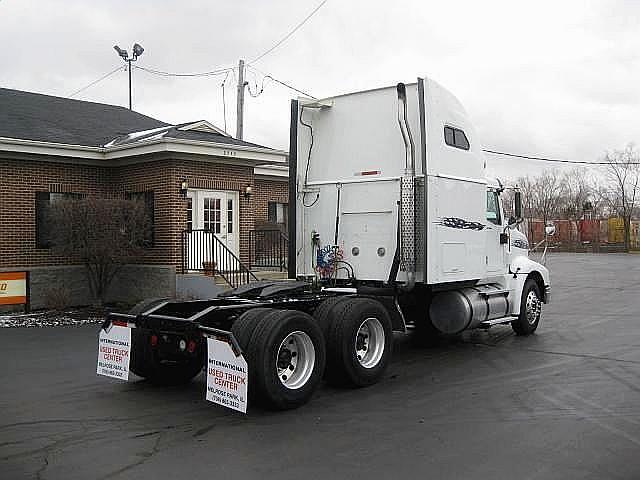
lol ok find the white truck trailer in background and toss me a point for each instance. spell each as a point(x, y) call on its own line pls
point(393, 225)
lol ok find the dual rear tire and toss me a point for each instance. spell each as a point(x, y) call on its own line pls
point(285, 353)
point(359, 340)
point(348, 341)
point(145, 362)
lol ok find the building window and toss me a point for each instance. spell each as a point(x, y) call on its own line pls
point(454, 137)
point(278, 213)
point(230, 215)
point(493, 208)
point(44, 201)
point(149, 208)
point(212, 214)
point(189, 213)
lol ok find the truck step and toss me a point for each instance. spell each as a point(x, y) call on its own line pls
point(491, 293)
point(496, 321)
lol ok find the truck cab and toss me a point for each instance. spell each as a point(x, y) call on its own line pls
point(391, 190)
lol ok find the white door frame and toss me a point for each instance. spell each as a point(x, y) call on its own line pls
point(232, 241)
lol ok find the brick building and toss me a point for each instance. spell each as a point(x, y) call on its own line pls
point(191, 176)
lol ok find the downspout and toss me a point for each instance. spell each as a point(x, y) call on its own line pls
point(407, 214)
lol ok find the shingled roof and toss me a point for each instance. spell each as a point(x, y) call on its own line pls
point(45, 118)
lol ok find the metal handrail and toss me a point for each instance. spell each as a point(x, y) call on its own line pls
point(268, 249)
point(203, 251)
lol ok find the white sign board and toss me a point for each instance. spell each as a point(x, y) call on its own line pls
point(114, 348)
point(227, 376)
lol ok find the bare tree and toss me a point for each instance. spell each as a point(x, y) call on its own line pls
point(103, 234)
point(623, 173)
point(543, 194)
point(576, 193)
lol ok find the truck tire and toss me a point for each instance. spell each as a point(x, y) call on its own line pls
point(145, 364)
point(244, 326)
point(286, 359)
point(530, 309)
point(139, 362)
point(359, 343)
point(325, 312)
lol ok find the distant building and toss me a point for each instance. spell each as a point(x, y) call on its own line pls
point(52, 147)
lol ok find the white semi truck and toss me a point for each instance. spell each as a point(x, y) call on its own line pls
point(394, 226)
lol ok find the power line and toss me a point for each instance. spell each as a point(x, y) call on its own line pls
point(284, 84)
point(284, 39)
point(557, 160)
point(106, 75)
point(224, 102)
point(218, 71)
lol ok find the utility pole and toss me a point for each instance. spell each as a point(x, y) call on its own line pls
point(240, 100)
point(129, 62)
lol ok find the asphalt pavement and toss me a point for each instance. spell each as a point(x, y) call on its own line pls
point(561, 404)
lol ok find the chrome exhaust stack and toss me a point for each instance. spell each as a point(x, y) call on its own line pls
point(407, 217)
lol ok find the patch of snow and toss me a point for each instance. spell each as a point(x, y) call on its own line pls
point(133, 136)
point(49, 319)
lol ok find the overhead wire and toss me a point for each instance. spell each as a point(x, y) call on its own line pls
point(224, 102)
point(103, 77)
point(218, 71)
point(291, 32)
point(557, 160)
point(281, 82)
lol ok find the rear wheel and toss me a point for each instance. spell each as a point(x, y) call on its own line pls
point(244, 326)
point(325, 312)
point(286, 358)
point(144, 361)
point(359, 343)
point(530, 309)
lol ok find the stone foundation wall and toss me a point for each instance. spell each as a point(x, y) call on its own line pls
point(68, 284)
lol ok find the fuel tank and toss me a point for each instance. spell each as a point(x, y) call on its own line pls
point(453, 311)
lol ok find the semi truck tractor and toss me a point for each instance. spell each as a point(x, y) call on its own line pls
point(394, 226)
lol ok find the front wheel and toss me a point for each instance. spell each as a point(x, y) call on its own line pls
point(530, 309)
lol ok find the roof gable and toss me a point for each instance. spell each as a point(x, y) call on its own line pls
point(203, 126)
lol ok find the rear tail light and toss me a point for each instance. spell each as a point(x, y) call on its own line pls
point(154, 340)
point(191, 347)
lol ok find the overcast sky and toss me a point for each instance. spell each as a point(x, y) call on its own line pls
point(546, 78)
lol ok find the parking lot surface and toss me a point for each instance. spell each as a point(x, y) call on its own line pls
point(563, 403)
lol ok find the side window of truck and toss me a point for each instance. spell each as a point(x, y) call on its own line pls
point(454, 137)
point(493, 208)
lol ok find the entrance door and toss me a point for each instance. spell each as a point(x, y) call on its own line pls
point(212, 213)
point(495, 250)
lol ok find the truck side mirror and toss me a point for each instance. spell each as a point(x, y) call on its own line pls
point(518, 204)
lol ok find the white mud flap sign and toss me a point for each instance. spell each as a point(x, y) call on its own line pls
point(114, 349)
point(227, 375)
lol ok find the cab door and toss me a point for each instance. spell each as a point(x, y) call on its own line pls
point(495, 251)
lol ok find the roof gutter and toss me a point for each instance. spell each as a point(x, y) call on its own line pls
point(241, 152)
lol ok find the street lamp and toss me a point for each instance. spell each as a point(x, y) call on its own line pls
point(137, 51)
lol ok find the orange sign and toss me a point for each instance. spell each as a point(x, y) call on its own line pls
point(13, 288)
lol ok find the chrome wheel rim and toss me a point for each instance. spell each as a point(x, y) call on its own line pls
point(295, 360)
point(369, 344)
point(533, 307)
